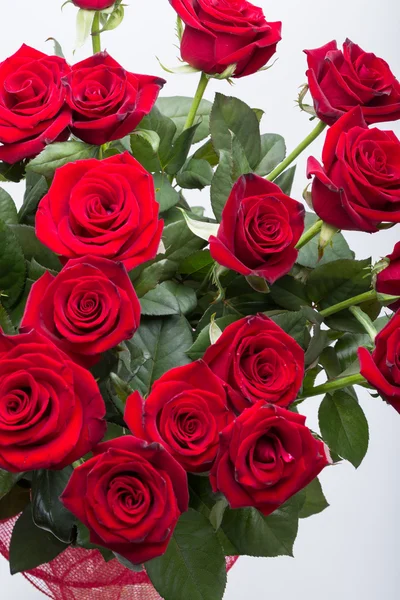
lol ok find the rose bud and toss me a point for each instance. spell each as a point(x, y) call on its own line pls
point(382, 368)
point(108, 102)
point(185, 412)
point(219, 34)
point(51, 410)
point(388, 280)
point(258, 361)
point(259, 230)
point(93, 4)
point(358, 185)
point(33, 111)
point(104, 208)
point(130, 496)
point(266, 456)
point(339, 80)
point(85, 310)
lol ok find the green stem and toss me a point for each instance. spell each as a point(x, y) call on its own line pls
point(365, 321)
point(319, 128)
point(334, 385)
point(309, 234)
point(96, 43)
point(196, 100)
point(365, 297)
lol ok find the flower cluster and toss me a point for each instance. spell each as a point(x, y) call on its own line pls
point(156, 355)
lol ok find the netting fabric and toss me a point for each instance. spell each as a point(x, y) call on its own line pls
point(79, 574)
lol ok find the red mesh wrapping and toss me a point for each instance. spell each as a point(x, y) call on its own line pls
point(79, 574)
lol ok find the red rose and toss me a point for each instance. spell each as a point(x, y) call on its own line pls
point(219, 34)
point(93, 4)
point(88, 308)
point(185, 412)
point(382, 368)
point(33, 112)
point(259, 230)
point(51, 410)
point(258, 361)
point(388, 280)
point(338, 81)
point(266, 456)
point(130, 496)
point(103, 208)
point(358, 185)
point(108, 102)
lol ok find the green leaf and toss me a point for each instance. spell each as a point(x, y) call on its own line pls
point(202, 229)
point(31, 546)
point(14, 501)
point(178, 240)
point(143, 150)
point(252, 534)
point(6, 323)
point(48, 512)
point(232, 116)
point(32, 248)
point(58, 154)
point(195, 174)
point(12, 266)
point(17, 311)
point(273, 151)
point(8, 210)
point(36, 188)
point(207, 153)
point(336, 281)
point(164, 342)
point(13, 172)
point(285, 180)
point(308, 255)
point(151, 274)
point(315, 501)
point(185, 296)
point(7, 481)
point(166, 196)
point(197, 265)
point(344, 427)
point(177, 109)
point(57, 47)
point(179, 151)
point(232, 164)
point(115, 18)
point(35, 270)
point(193, 566)
point(166, 130)
point(152, 138)
point(159, 302)
point(203, 340)
point(294, 324)
point(346, 348)
point(289, 293)
point(84, 21)
point(258, 284)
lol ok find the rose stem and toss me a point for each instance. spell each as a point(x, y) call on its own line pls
point(196, 100)
point(365, 321)
point(309, 234)
point(319, 128)
point(335, 384)
point(96, 44)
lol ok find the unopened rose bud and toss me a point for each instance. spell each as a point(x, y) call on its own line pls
point(93, 4)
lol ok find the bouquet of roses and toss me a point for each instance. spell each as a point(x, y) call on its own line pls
point(153, 359)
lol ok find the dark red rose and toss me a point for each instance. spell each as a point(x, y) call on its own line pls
point(259, 230)
point(358, 186)
point(388, 280)
point(51, 410)
point(266, 456)
point(33, 111)
point(108, 102)
point(130, 496)
point(88, 308)
point(382, 368)
point(220, 33)
point(93, 4)
point(185, 412)
point(338, 81)
point(103, 208)
point(258, 361)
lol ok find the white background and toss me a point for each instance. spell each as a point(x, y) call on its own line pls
point(350, 551)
